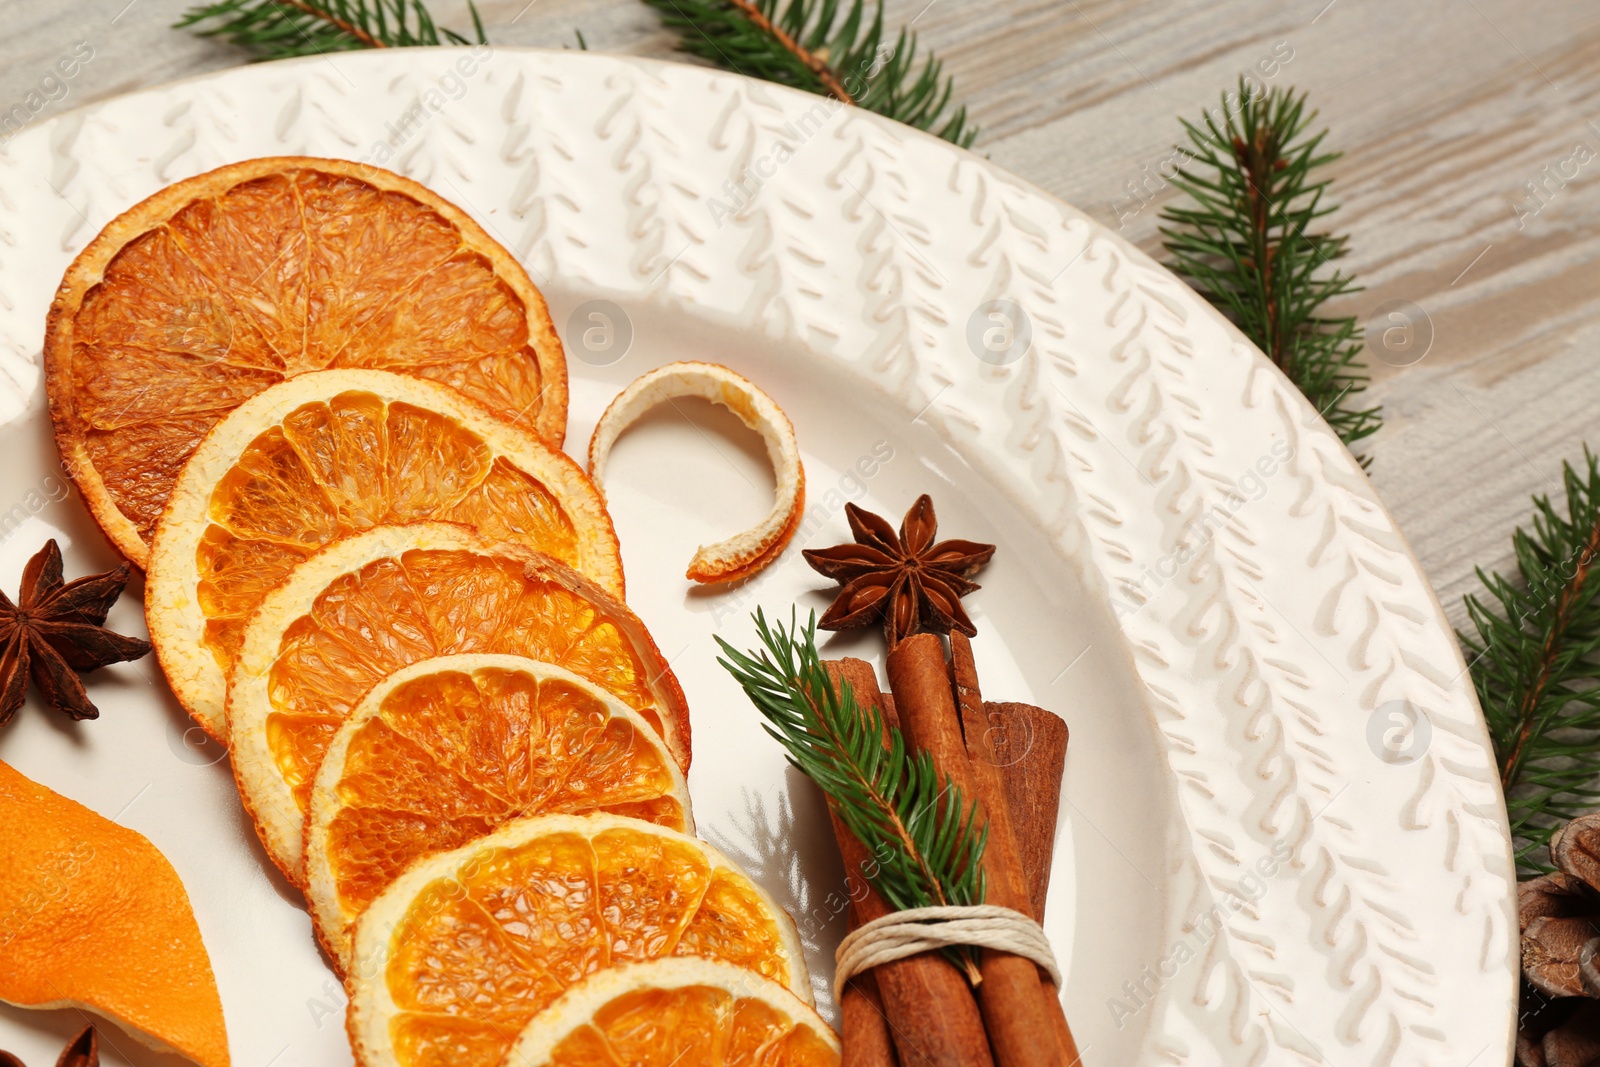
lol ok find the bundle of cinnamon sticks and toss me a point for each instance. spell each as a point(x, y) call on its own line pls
point(923, 1011)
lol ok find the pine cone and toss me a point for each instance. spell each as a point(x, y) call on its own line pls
point(1559, 914)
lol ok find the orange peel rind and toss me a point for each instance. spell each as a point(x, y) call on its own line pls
point(747, 552)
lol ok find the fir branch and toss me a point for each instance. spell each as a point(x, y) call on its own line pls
point(918, 828)
point(279, 29)
point(1536, 664)
point(824, 47)
point(1248, 246)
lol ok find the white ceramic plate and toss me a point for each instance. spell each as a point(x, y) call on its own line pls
point(1282, 838)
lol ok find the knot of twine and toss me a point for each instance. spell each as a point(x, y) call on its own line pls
point(907, 933)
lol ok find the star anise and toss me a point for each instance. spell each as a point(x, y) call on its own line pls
point(81, 1051)
point(56, 632)
point(911, 582)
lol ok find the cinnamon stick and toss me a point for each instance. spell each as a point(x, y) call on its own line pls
point(928, 1009)
point(1029, 744)
point(1011, 997)
point(867, 1041)
point(985, 754)
point(1033, 797)
point(867, 1037)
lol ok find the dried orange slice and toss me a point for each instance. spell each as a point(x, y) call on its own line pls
point(327, 454)
point(443, 751)
point(676, 1012)
point(93, 916)
point(744, 553)
point(465, 948)
point(372, 603)
point(215, 288)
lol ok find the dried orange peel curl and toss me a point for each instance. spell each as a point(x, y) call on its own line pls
point(744, 553)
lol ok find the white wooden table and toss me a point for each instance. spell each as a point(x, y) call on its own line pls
point(1471, 183)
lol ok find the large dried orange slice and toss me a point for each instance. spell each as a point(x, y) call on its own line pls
point(443, 751)
point(676, 1013)
point(95, 917)
point(372, 603)
point(328, 454)
point(465, 948)
point(215, 288)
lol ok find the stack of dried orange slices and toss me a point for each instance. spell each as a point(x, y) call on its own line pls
point(324, 408)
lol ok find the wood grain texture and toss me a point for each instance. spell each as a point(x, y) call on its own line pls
point(1445, 110)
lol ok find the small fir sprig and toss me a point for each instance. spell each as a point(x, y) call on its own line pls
point(1536, 664)
point(280, 29)
point(918, 828)
point(1247, 245)
point(826, 47)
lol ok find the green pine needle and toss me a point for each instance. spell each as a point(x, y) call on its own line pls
point(1536, 664)
point(1247, 246)
point(824, 47)
point(919, 830)
point(279, 29)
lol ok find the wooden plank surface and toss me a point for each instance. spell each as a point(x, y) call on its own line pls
point(1471, 184)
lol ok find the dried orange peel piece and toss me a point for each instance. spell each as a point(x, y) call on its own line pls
point(744, 553)
point(443, 751)
point(465, 948)
point(95, 917)
point(663, 1012)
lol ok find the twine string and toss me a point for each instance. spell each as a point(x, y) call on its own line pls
point(907, 933)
